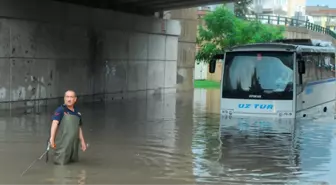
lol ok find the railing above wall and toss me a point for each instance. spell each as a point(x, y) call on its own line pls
point(285, 21)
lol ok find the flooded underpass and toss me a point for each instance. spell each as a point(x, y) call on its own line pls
point(172, 139)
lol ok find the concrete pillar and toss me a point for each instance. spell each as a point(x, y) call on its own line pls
point(185, 73)
point(186, 47)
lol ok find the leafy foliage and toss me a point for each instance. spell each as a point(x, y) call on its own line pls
point(223, 30)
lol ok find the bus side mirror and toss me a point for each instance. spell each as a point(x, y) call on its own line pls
point(212, 66)
point(301, 67)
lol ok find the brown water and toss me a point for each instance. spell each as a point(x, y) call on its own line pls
point(175, 139)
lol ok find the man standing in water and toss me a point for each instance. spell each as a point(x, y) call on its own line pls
point(66, 133)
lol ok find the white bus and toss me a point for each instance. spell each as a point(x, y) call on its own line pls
point(288, 78)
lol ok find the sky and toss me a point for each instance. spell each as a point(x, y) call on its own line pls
point(330, 3)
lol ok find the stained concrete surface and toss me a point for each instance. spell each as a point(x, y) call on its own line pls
point(171, 139)
point(108, 54)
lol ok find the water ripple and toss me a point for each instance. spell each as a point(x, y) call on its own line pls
point(173, 140)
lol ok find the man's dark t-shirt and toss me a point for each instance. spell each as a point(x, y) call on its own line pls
point(59, 113)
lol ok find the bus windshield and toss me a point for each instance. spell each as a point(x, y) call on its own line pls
point(258, 75)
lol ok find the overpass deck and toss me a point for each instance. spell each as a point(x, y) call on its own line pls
point(143, 6)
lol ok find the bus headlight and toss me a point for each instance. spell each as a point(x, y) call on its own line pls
point(227, 111)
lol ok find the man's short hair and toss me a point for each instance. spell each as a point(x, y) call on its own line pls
point(70, 91)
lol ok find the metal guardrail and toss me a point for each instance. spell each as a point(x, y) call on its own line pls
point(285, 21)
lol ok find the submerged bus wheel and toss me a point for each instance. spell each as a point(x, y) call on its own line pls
point(325, 109)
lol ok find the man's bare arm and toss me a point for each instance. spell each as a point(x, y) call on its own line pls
point(81, 136)
point(53, 130)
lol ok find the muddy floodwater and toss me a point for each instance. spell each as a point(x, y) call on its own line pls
point(171, 139)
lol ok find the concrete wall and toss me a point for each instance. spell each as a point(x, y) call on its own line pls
point(303, 33)
point(186, 47)
point(48, 47)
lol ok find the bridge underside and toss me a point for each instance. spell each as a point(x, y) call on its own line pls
point(143, 6)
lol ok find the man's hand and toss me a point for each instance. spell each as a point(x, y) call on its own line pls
point(52, 143)
point(83, 145)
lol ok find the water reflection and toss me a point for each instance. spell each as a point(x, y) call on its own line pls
point(259, 154)
point(136, 141)
point(269, 151)
point(173, 139)
point(206, 101)
point(66, 175)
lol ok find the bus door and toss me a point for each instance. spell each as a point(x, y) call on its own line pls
point(299, 99)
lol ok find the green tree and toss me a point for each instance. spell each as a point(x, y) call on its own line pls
point(223, 30)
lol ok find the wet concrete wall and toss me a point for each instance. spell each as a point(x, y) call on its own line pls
point(48, 47)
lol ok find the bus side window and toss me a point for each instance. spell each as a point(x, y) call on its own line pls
point(318, 67)
point(310, 69)
point(329, 65)
point(332, 65)
point(326, 66)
